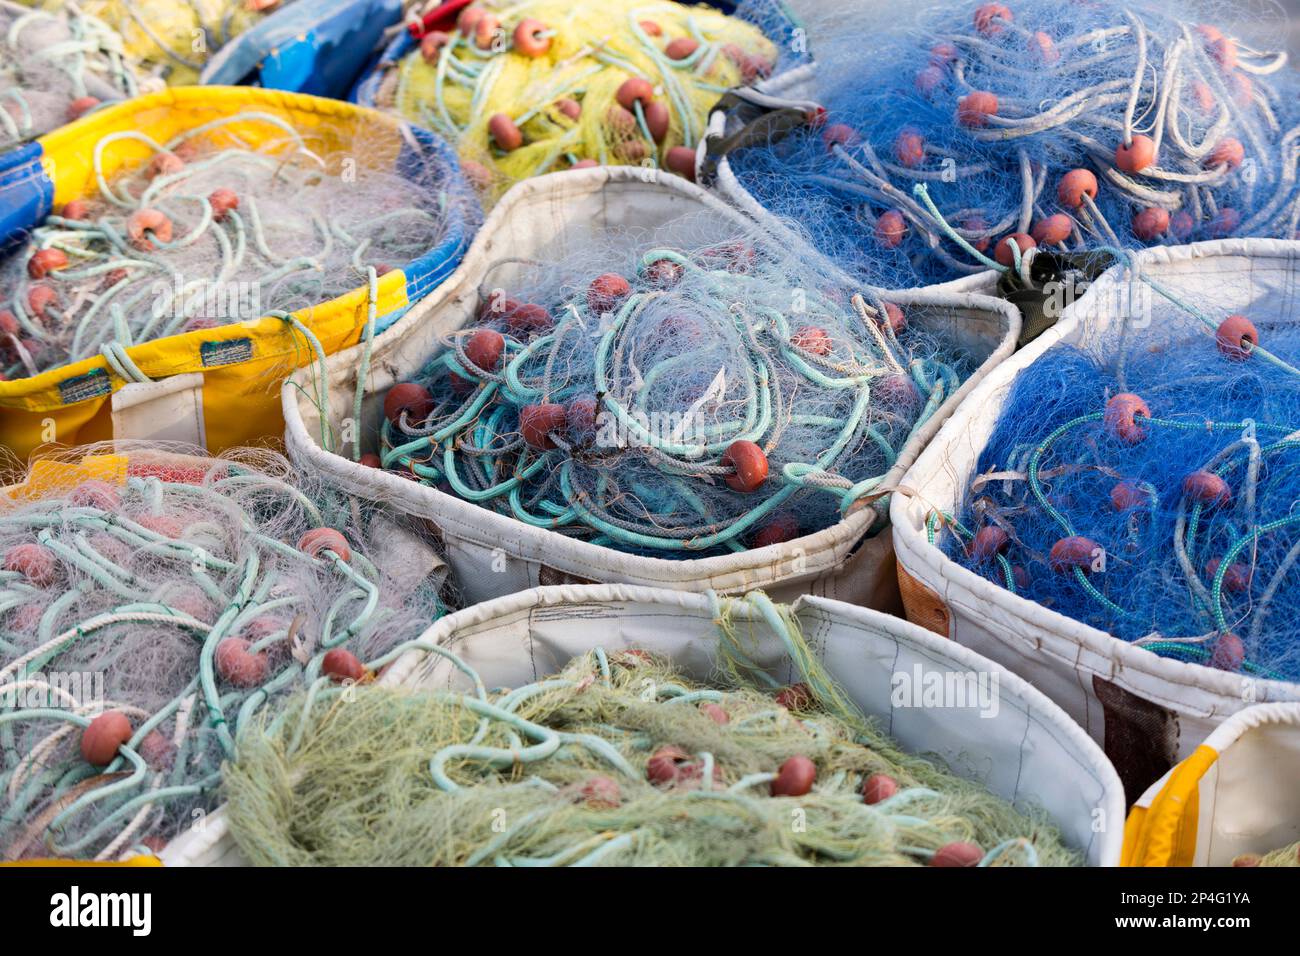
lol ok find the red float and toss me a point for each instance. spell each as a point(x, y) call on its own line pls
point(1207, 489)
point(1076, 184)
point(795, 777)
point(340, 664)
point(957, 854)
point(484, 349)
point(34, 562)
point(410, 399)
point(1121, 417)
point(607, 291)
point(1151, 223)
point(989, 542)
point(45, 261)
point(504, 132)
point(536, 422)
point(1053, 230)
point(974, 109)
point(1003, 253)
point(529, 39)
point(1236, 336)
point(891, 229)
point(238, 665)
point(104, 736)
point(1137, 155)
point(319, 540)
point(750, 466)
point(1074, 552)
point(878, 787)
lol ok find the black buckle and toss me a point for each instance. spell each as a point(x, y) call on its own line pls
point(1051, 274)
point(761, 125)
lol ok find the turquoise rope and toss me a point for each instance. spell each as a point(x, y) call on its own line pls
point(542, 489)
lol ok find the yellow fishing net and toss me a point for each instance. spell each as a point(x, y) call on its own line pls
point(173, 38)
point(533, 87)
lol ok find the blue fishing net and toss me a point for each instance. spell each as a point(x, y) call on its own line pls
point(1070, 126)
point(782, 25)
point(678, 392)
point(1145, 483)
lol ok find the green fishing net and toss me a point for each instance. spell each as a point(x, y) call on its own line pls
point(617, 759)
point(1286, 856)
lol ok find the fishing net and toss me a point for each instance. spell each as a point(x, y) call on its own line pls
point(783, 25)
point(618, 759)
point(669, 395)
point(1056, 126)
point(1286, 856)
point(173, 39)
point(1145, 483)
point(243, 216)
point(529, 88)
point(144, 621)
point(55, 68)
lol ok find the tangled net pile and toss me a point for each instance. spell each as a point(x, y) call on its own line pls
point(144, 621)
point(1286, 856)
point(994, 128)
point(173, 39)
point(55, 68)
point(534, 87)
point(585, 767)
point(1148, 487)
point(670, 397)
point(210, 230)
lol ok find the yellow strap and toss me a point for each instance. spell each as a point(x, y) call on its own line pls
point(1164, 834)
point(1132, 835)
point(143, 860)
point(49, 476)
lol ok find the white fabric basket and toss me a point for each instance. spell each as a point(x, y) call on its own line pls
point(1236, 794)
point(1149, 711)
point(1028, 752)
point(492, 555)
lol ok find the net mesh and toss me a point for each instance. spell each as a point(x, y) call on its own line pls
point(529, 88)
point(149, 613)
point(56, 67)
point(213, 227)
point(672, 395)
point(1145, 482)
point(615, 760)
point(1285, 856)
point(1065, 126)
point(173, 39)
